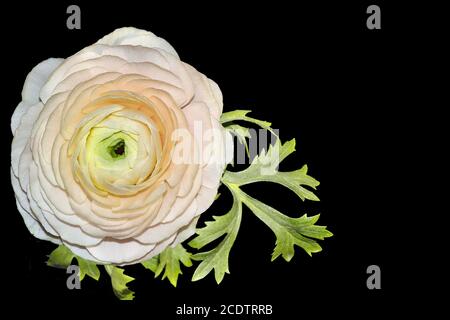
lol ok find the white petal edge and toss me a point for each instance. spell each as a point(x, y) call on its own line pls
point(33, 83)
point(137, 37)
point(32, 224)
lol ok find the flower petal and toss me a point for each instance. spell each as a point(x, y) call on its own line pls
point(32, 87)
point(136, 37)
point(120, 251)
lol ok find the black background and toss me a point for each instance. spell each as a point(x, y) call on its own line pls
point(320, 76)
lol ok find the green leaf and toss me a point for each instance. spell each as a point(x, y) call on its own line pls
point(119, 281)
point(62, 257)
point(151, 264)
point(265, 168)
point(237, 115)
point(88, 268)
point(217, 258)
point(288, 231)
point(169, 261)
point(242, 133)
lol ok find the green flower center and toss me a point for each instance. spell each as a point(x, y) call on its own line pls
point(117, 148)
point(111, 149)
point(117, 153)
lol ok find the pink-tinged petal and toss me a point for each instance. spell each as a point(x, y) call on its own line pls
point(37, 78)
point(182, 202)
point(31, 223)
point(82, 252)
point(136, 37)
point(206, 91)
point(160, 247)
point(187, 232)
point(119, 251)
point(32, 87)
point(22, 137)
point(199, 122)
point(205, 198)
point(161, 231)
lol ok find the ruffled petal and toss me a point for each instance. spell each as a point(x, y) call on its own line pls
point(136, 37)
point(32, 87)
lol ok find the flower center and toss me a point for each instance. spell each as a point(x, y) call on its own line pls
point(118, 154)
point(117, 148)
point(112, 146)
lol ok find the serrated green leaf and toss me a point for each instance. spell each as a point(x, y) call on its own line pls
point(214, 229)
point(288, 231)
point(237, 115)
point(88, 268)
point(242, 134)
point(62, 257)
point(217, 258)
point(119, 281)
point(169, 261)
point(265, 168)
point(151, 264)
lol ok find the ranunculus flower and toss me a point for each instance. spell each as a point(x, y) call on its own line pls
point(110, 155)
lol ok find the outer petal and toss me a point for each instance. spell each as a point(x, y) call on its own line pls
point(136, 37)
point(206, 91)
point(119, 251)
point(31, 88)
point(23, 133)
point(156, 250)
point(186, 233)
point(32, 224)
